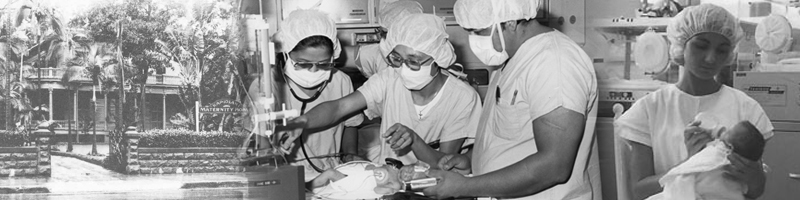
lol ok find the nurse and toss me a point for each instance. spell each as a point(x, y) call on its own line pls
point(371, 58)
point(536, 130)
point(307, 77)
point(661, 128)
point(415, 97)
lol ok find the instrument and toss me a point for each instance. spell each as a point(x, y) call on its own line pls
point(269, 173)
point(778, 93)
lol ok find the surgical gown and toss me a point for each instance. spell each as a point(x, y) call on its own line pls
point(455, 116)
point(548, 71)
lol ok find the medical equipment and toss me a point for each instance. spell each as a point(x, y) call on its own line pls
point(651, 52)
point(774, 36)
point(659, 8)
point(778, 93)
point(270, 175)
point(420, 184)
point(711, 122)
point(644, 62)
point(616, 96)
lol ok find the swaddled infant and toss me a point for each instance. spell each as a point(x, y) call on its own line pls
point(365, 180)
point(702, 176)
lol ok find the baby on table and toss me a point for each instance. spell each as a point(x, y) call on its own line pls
point(366, 180)
point(702, 176)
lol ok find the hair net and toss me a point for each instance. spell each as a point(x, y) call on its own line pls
point(424, 33)
point(384, 48)
point(397, 10)
point(480, 14)
point(703, 18)
point(303, 23)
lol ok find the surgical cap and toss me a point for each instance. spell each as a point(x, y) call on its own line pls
point(703, 18)
point(303, 23)
point(397, 10)
point(480, 14)
point(424, 33)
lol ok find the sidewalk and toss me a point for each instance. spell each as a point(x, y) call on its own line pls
point(71, 175)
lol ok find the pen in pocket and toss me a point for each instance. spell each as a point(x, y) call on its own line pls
point(514, 98)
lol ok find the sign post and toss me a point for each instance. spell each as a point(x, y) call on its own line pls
point(223, 106)
point(197, 116)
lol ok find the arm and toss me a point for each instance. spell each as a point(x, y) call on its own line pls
point(459, 163)
point(429, 155)
point(643, 179)
point(756, 187)
point(749, 172)
point(322, 116)
point(350, 144)
point(399, 137)
point(331, 112)
point(558, 136)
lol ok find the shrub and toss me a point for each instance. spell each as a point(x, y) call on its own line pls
point(178, 138)
point(11, 139)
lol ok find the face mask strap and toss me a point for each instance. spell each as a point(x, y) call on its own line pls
point(497, 27)
point(502, 39)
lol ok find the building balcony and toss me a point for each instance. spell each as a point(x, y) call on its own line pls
point(55, 75)
point(105, 126)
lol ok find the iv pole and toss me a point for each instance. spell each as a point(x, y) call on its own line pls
point(264, 113)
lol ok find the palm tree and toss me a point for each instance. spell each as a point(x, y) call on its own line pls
point(19, 106)
point(95, 71)
point(71, 79)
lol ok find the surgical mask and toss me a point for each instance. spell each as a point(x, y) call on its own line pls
point(305, 78)
point(416, 80)
point(483, 48)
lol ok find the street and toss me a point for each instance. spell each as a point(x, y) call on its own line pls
point(75, 179)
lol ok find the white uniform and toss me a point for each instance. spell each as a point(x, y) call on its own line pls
point(548, 71)
point(370, 61)
point(659, 119)
point(454, 117)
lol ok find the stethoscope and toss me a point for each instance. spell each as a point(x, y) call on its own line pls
point(304, 103)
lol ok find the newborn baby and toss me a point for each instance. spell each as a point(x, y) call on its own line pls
point(365, 180)
point(701, 176)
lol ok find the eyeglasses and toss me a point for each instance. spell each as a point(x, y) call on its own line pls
point(320, 65)
point(395, 60)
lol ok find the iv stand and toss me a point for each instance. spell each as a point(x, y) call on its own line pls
point(264, 113)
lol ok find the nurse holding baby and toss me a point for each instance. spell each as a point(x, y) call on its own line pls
point(664, 129)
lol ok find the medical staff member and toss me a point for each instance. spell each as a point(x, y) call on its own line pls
point(536, 130)
point(416, 97)
point(371, 58)
point(306, 77)
point(660, 127)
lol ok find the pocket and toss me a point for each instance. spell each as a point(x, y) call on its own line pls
point(512, 121)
